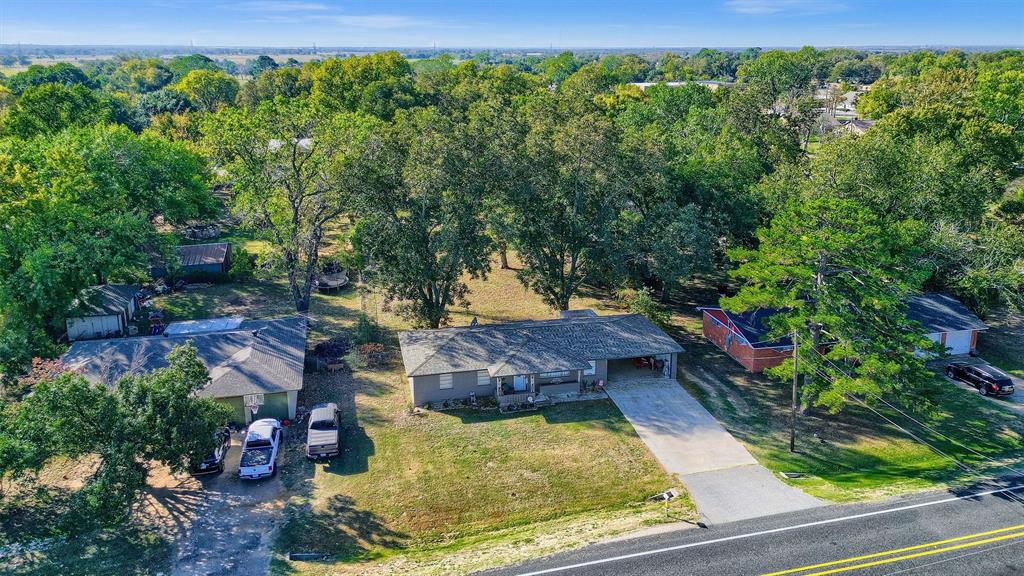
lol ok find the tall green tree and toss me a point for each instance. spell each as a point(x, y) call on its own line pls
point(378, 84)
point(841, 277)
point(559, 209)
point(293, 172)
point(79, 208)
point(62, 73)
point(150, 417)
point(207, 89)
point(50, 108)
point(429, 232)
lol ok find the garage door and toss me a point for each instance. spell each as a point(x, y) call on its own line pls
point(958, 342)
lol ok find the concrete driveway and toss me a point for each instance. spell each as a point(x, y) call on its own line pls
point(234, 523)
point(725, 482)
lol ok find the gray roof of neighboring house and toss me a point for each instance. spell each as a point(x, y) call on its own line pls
point(103, 300)
point(940, 312)
point(259, 356)
point(203, 254)
point(532, 346)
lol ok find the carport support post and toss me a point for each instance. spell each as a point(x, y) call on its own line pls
point(792, 403)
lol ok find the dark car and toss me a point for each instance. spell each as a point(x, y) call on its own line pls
point(214, 463)
point(988, 380)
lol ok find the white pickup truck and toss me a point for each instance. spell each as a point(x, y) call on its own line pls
point(322, 440)
point(260, 449)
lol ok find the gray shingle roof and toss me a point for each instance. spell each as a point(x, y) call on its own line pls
point(202, 254)
point(940, 312)
point(103, 300)
point(532, 346)
point(239, 361)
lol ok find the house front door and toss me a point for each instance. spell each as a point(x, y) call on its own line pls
point(519, 383)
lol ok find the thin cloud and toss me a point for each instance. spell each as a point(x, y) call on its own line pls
point(281, 6)
point(381, 21)
point(364, 21)
point(798, 7)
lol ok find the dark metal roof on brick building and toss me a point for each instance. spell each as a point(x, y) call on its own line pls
point(753, 325)
point(203, 254)
point(259, 356)
point(532, 346)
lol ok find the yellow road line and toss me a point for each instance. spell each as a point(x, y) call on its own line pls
point(895, 551)
point(920, 554)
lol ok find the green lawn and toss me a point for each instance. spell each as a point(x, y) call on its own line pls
point(854, 455)
point(451, 487)
point(1003, 343)
point(454, 488)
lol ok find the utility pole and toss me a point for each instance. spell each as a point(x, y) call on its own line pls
point(793, 400)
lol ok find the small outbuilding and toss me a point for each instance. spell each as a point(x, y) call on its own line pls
point(947, 321)
point(205, 259)
point(744, 337)
point(102, 312)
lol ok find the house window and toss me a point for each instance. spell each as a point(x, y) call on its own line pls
point(482, 378)
point(554, 374)
point(592, 370)
point(446, 381)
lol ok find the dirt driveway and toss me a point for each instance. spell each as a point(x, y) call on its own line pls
point(233, 525)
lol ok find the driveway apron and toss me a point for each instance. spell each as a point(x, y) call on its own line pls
point(725, 482)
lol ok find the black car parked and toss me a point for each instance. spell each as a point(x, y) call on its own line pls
point(988, 380)
point(214, 463)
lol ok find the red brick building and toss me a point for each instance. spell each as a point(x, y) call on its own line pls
point(743, 336)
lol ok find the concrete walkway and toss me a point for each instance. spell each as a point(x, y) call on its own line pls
point(723, 479)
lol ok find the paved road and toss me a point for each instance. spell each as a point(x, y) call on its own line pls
point(979, 531)
point(723, 479)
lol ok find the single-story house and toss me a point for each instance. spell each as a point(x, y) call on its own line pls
point(205, 258)
point(244, 357)
point(102, 312)
point(946, 320)
point(523, 362)
point(744, 336)
point(857, 126)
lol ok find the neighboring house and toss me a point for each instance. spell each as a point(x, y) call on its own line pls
point(857, 126)
point(102, 312)
point(243, 357)
point(209, 259)
point(709, 84)
point(744, 337)
point(520, 361)
point(946, 320)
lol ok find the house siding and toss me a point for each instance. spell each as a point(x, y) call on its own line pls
point(716, 330)
point(427, 388)
point(88, 327)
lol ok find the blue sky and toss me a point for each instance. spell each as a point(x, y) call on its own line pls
point(520, 23)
